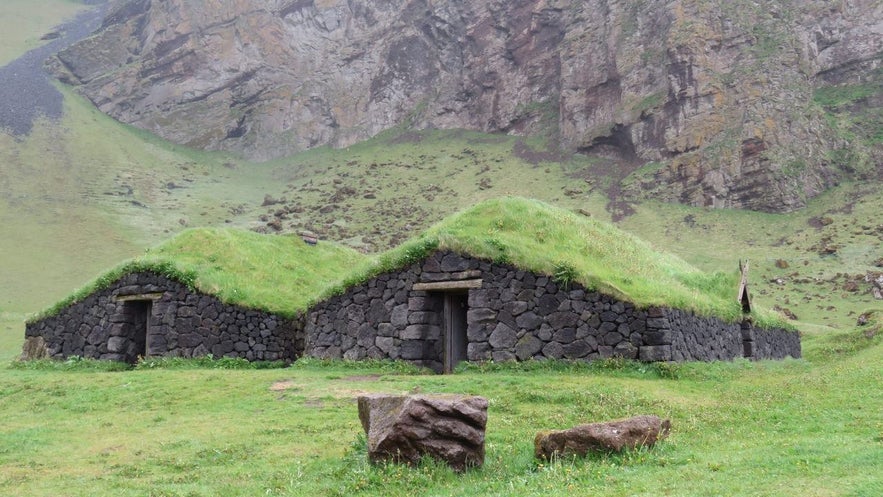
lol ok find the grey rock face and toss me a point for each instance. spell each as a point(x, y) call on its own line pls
point(674, 83)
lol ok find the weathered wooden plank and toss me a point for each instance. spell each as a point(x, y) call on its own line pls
point(446, 285)
point(743, 297)
point(139, 296)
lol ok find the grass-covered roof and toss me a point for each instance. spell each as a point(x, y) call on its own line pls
point(284, 275)
point(570, 247)
point(275, 273)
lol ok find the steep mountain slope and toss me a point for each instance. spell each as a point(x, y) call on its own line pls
point(713, 99)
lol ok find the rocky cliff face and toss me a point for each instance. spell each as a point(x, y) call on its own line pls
point(709, 103)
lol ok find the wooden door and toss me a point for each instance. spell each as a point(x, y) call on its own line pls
point(456, 342)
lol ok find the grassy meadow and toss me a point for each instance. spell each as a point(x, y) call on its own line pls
point(811, 427)
point(80, 196)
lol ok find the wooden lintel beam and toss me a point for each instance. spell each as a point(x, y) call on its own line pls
point(139, 296)
point(446, 285)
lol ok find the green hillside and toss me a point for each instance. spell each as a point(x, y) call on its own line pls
point(24, 22)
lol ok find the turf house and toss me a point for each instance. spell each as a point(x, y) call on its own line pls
point(222, 292)
point(508, 279)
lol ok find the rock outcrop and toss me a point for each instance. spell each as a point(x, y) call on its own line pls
point(449, 428)
point(613, 436)
point(713, 99)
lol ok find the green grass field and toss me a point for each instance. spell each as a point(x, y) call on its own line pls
point(806, 428)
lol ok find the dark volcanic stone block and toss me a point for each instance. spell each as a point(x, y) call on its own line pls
point(480, 314)
point(577, 349)
point(503, 337)
point(412, 349)
point(527, 347)
point(478, 351)
point(654, 353)
point(553, 350)
point(528, 321)
point(546, 305)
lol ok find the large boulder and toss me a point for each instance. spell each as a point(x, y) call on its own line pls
point(449, 428)
point(612, 436)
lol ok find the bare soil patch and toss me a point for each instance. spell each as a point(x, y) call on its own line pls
point(281, 386)
point(367, 377)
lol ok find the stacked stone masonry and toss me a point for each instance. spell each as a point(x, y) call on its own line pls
point(146, 314)
point(519, 315)
point(504, 314)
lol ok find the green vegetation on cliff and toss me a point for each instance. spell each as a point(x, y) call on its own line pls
point(24, 22)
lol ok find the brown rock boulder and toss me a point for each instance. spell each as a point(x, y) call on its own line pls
point(612, 436)
point(449, 428)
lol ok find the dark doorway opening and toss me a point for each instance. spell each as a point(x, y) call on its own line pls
point(138, 313)
point(454, 323)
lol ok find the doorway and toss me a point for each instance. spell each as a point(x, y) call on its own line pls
point(454, 322)
point(138, 312)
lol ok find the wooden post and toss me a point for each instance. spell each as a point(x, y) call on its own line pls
point(744, 298)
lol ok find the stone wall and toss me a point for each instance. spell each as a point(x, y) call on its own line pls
point(760, 343)
point(518, 315)
point(148, 314)
point(699, 338)
point(509, 314)
point(370, 321)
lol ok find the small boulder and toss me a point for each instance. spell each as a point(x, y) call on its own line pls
point(612, 436)
point(449, 428)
